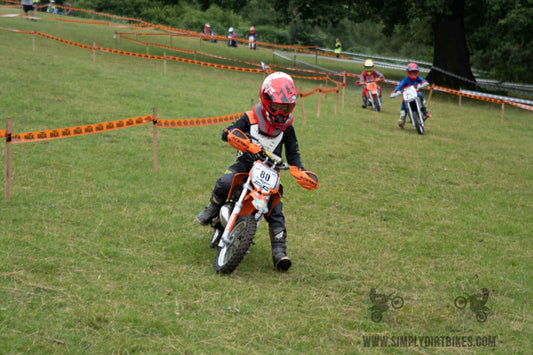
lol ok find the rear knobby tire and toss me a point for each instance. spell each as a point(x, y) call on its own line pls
point(418, 123)
point(230, 256)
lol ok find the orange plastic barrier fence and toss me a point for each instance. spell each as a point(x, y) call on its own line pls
point(78, 130)
point(483, 98)
point(113, 125)
point(195, 122)
point(315, 90)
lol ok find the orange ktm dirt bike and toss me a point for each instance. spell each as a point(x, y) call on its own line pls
point(372, 94)
point(252, 195)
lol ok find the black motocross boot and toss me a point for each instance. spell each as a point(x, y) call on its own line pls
point(210, 211)
point(364, 102)
point(279, 249)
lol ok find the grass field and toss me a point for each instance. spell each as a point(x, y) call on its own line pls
point(100, 254)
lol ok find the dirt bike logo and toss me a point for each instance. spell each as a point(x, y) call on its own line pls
point(380, 304)
point(477, 304)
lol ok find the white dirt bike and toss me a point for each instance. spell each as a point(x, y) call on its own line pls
point(413, 105)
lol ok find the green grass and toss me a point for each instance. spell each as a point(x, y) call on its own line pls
point(100, 255)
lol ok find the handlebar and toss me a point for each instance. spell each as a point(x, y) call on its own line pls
point(275, 158)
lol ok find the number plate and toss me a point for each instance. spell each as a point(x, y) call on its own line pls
point(264, 178)
point(409, 93)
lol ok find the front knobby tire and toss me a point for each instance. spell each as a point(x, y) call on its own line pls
point(230, 256)
point(378, 104)
point(419, 125)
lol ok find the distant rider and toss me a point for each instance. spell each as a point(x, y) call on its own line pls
point(369, 74)
point(232, 37)
point(252, 38)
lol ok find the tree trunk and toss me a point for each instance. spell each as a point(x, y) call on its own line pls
point(451, 59)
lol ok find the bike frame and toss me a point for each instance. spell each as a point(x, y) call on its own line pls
point(244, 204)
point(372, 93)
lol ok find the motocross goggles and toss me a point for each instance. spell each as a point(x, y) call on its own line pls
point(280, 109)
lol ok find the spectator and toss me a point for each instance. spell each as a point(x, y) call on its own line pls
point(338, 47)
point(27, 6)
point(36, 4)
point(52, 9)
point(68, 8)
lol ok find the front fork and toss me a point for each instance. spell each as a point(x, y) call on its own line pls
point(418, 108)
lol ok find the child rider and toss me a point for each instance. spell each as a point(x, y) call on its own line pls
point(369, 74)
point(270, 123)
point(412, 79)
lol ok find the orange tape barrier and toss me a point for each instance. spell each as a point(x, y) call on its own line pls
point(123, 35)
point(322, 91)
point(140, 55)
point(78, 130)
point(113, 125)
point(195, 122)
point(483, 98)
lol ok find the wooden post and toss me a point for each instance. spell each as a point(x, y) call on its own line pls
point(303, 111)
point(503, 107)
point(460, 99)
point(170, 34)
point(319, 98)
point(430, 93)
point(94, 52)
point(343, 87)
point(33, 41)
point(336, 99)
point(195, 56)
point(165, 62)
point(155, 139)
point(147, 51)
point(8, 159)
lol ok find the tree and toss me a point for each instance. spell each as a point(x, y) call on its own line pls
point(499, 34)
point(451, 58)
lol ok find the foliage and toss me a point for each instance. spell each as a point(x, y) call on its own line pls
point(501, 40)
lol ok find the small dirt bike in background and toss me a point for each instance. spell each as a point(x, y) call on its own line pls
point(413, 106)
point(373, 97)
point(251, 196)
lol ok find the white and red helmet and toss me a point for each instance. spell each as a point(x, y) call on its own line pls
point(278, 96)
